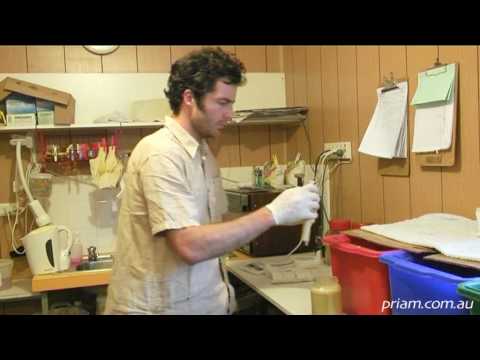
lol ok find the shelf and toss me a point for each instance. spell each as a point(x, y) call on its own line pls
point(139, 124)
point(288, 116)
point(8, 129)
point(285, 121)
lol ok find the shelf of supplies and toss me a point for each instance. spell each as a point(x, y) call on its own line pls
point(81, 126)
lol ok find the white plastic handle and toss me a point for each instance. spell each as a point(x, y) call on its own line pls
point(306, 227)
point(61, 228)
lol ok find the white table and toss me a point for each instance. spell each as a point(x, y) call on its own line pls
point(291, 299)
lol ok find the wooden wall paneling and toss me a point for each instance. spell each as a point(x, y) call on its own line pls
point(274, 56)
point(178, 51)
point(396, 190)
point(278, 142)
point(296, 136)
point(13, 59)
point(330, 93)
point(278, 135)
point(46, 59)
point(253, 57)
point(254, 140)
point(331, 129)
point(371, 181)
point(7, 164)
point(122, 60)
point(154, 59)
point(80, 60)
point(226, 147)
point(314, 99)
point(4, 238)
point(348, 131)
point(288, 68)
point(129, 138)
point(290, 140)
point(148, 131)
point(254, 145)
point(228, 48)
point(425, 183)
point(460, 192)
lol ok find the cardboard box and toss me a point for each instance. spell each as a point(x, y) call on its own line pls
point(64, 103)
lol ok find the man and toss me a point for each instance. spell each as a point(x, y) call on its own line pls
point(170, 235)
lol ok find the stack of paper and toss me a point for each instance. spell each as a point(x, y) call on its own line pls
point(434, 109)
point(386, 135)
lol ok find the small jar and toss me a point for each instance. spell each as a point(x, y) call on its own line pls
point(326, 295)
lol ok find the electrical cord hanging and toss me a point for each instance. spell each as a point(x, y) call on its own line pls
point(321, 158)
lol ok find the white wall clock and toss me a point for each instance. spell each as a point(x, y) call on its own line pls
point(101, 49)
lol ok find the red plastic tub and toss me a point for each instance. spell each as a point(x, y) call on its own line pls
point(363, 278)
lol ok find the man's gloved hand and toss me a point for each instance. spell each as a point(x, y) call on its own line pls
point(296, 205)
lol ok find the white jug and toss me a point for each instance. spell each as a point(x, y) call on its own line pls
point(44, 250)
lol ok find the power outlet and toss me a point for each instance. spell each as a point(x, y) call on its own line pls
point(345, 146)
point(7, 208)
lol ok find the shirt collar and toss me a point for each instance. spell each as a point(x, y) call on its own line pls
point(187, 140)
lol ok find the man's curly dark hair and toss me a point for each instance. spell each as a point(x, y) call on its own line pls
point(199, 71)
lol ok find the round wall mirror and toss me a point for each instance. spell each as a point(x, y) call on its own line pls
point(101, 49)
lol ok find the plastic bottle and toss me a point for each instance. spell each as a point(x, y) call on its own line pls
point(336, 226)
point(326, 295)
point(76, 251)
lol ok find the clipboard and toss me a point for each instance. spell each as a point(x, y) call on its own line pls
point(395, 166)
point(445, 157)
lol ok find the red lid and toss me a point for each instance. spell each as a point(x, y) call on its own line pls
point(340, 224)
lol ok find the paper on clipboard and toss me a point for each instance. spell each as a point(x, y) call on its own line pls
point(433, 124)
point(385, 136)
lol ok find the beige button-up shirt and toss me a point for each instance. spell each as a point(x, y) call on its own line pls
point(171, 182)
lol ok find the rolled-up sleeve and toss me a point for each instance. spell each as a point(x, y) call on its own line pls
point(170, 201)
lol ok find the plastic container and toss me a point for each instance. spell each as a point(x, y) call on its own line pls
point(422, 287)
point(471, 290)
point(336, 225)
point(363, 278)
point(76, 251)
point(326, 295)
point(6, 267)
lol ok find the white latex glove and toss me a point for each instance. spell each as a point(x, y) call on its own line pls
point(295, 205)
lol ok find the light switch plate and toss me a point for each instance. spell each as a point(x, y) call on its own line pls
point(346, 146)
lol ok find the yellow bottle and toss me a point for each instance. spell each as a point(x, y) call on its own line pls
point(326, 296)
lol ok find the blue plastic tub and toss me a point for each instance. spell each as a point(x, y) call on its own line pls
point(421, 287)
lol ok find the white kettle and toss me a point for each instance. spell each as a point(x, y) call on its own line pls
point(44, 250)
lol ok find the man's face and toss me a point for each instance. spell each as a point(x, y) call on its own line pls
point(217, 110)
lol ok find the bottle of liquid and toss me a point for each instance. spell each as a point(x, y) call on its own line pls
point(76, 251)
point(326, 295)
